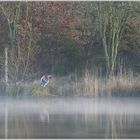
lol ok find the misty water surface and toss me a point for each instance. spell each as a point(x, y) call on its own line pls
point(78, 117)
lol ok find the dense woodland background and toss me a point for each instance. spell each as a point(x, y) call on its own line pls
point(60, 38)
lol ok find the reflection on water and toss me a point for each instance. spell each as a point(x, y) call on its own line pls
point(70, 118)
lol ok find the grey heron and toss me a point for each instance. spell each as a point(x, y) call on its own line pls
point(45, 80)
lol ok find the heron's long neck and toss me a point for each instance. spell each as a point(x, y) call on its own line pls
point(47, 79)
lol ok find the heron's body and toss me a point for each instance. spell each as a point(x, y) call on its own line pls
point(44, 80)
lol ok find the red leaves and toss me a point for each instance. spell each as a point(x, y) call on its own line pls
point(57, 20)
point(68, 22)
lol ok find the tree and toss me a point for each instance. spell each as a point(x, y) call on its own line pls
point(23, 54)
point(111, 18)
point(11, 13)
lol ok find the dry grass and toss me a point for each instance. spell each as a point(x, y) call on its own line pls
point(91, 83)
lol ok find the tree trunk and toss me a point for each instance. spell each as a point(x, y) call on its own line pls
point(6, 65)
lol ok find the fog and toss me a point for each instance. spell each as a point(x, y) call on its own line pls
point(72, 105)
point(69, 117)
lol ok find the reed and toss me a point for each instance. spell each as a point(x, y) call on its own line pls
point(90, 83)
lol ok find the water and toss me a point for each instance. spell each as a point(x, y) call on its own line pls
point(70, 118)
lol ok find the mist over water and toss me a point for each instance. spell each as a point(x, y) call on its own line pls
point(78, 117)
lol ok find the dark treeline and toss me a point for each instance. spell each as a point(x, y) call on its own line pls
point(63, 37)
